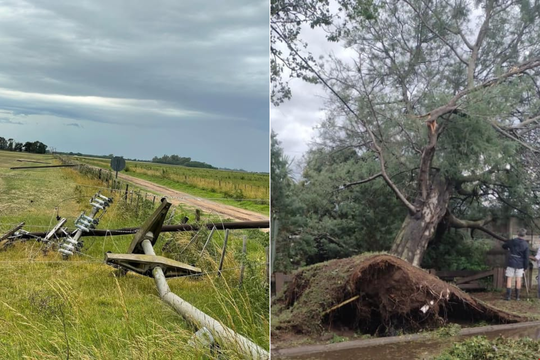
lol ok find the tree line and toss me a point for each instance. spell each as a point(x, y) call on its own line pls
point(36, 147)
point(183, 161)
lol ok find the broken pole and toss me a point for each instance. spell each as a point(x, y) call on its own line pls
point(40, 167)
point(143, 242)
point(223, 252)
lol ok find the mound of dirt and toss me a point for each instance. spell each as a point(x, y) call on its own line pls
point(380, 295)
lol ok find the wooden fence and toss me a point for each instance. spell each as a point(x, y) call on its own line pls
point(464, 279)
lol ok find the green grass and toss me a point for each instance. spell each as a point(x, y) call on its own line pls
point(248, 191)
point(50, 307)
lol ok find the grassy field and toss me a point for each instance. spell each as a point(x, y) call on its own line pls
point(81, 309)
point(249, 191)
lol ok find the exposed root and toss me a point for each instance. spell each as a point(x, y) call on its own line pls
point(393, 297)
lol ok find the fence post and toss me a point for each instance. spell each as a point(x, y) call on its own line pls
point(208, 240)
point(126, 194)
point(244, 248)
point(223, 252)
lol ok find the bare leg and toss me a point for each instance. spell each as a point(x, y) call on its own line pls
point(509, 281)
point(518, 283)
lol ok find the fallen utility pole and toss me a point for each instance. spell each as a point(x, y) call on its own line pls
point(168, 228)
point(40, 167)
point(32, 161)
point(5, 239)
point(143, 243)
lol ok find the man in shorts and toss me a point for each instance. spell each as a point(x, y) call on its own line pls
point(518, 261)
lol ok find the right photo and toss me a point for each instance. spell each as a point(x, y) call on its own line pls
point(405, 179)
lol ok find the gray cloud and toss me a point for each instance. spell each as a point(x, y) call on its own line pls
point(295, 120)
point(9, 121)
point(184, 66)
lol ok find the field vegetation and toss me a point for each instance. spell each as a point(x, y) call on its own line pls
point(241, 189)
point(83, 309)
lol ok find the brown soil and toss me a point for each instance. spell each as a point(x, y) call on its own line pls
point(205, 205)
point(394, 297)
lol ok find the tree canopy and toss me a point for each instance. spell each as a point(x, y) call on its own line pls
point(441, 102)
point(183, 161)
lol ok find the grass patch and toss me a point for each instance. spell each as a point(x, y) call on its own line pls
point(479, 347)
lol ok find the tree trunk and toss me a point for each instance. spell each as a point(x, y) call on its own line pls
point(419, 229)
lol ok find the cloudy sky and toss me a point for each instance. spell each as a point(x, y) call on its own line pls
point(295, 120)
point(138, 78)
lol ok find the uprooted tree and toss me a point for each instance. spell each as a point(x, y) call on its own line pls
point(446, 92)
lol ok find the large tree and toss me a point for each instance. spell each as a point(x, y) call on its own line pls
point(448, 92)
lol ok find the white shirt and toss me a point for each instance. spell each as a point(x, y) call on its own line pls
point(537, 257)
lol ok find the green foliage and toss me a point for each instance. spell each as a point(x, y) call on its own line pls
point(342, 221)
point(456, 251)
point(480, 348)
point(183, 161)
point(286, 210)
point(447, 331)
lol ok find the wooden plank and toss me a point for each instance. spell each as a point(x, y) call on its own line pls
point(455, 273)
point(475, 277)
point(340, 305)
point(472, 286)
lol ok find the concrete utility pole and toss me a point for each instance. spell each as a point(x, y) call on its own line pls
point(160, 268)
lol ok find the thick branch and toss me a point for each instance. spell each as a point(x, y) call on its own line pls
point(535, 119)
point(469, 224)
point(452, 104)
point(371, 178)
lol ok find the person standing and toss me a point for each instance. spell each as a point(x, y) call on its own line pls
point(517, 262)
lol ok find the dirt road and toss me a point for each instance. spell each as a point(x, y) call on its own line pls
point(177, 197)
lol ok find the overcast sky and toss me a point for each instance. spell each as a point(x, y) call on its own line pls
point(295, 120)
point(138, 78)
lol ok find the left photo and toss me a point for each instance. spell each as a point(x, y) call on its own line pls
point(134, 180)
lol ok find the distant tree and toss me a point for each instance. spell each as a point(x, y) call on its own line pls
point(40, 147)
point(3, 143)
point(29, 147)
point(18, 147)
point(184, 161)
point(10, 145)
